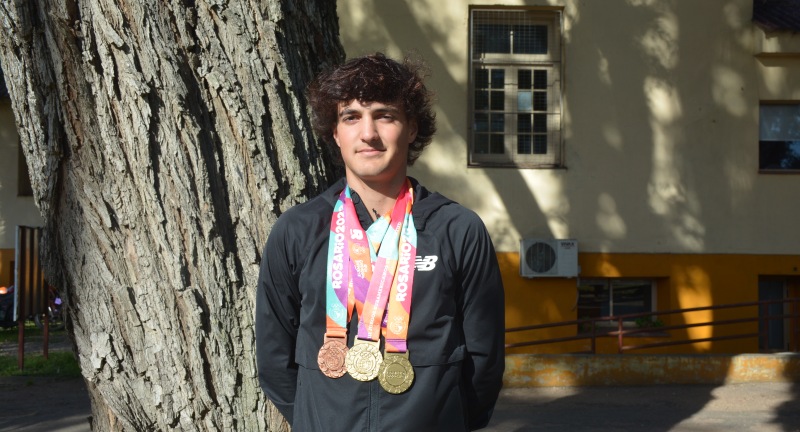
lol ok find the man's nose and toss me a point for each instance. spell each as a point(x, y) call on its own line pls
point(369, 132)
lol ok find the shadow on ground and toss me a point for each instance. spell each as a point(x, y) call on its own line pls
point(44, 404)
point(763, 407)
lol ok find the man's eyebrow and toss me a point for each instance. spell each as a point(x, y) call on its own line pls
point(393, 109)
point(347, 110)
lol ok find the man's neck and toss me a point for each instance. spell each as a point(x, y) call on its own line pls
point(378, 197)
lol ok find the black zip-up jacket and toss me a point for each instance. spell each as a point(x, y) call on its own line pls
point(456, 330)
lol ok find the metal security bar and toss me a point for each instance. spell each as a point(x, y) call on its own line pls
point(751, 316)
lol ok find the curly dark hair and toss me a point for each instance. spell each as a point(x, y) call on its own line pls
point(373, 78)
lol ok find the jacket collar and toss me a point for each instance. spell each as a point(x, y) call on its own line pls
point(425, 202)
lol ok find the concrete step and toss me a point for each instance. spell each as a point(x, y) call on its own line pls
point(567, 370)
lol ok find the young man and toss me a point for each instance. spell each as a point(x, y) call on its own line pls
point(379, 304)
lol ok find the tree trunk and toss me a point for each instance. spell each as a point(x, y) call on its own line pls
point(164, 138)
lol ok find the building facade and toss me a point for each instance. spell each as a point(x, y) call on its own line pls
point(661, 139)
point(626, 155)
point(16, 200)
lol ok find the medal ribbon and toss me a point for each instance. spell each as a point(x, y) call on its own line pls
point(351, 254)
point(397, 319)
point(383, 277)
point(337, 304)
point(349, 264)
point(361, 248)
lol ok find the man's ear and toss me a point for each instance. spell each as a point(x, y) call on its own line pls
point(413, 130)
point(336, 136)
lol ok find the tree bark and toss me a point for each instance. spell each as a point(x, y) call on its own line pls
point(164, 138)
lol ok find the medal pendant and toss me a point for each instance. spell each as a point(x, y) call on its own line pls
point(396, 374)
point(331, 357)
point(364, 360)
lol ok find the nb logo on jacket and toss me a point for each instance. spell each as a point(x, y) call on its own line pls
point(426, 263)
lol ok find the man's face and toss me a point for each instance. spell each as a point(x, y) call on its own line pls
point(374, 138)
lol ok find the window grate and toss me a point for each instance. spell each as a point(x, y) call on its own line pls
point(515, 88)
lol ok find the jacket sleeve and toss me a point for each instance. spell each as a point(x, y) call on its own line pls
point(277, 320)
point(483, 313)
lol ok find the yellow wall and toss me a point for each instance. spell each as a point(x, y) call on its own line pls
point(660, 134)
point(663, 95)
point(683, 281)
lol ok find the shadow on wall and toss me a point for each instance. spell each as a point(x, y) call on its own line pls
point(660, 201)
point(655, 202)
point(393, 27)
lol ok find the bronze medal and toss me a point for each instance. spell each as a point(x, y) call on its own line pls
point(331, 357)
point(364, 360)
point(396, 374)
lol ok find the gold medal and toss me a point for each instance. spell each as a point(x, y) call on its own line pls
point(396, 374)
point(331, 357)
point(363, 360)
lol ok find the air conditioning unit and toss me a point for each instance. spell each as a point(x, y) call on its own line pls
point(548, 258)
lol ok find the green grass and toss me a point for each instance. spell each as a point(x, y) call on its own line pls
point(60, 364)
point(11, 334)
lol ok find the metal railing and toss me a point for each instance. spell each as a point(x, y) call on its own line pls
point(621, 332)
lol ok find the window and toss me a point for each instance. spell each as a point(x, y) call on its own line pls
point(515, 88)
point(779, 137)
point(613, 297)
point(775, 16)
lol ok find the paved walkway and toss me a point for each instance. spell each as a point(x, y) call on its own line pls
point(34, 404)
point(762, 407)
point(46, 404)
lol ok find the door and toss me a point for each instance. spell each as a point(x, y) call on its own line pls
point(771, 323)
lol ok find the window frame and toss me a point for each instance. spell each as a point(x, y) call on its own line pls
point(761, 141)
point(609, 284)
point(553, 62)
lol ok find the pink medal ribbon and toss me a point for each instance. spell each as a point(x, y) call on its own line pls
point(397, 319)
point(396, 374)
point(383, 277)
point(364, 358)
